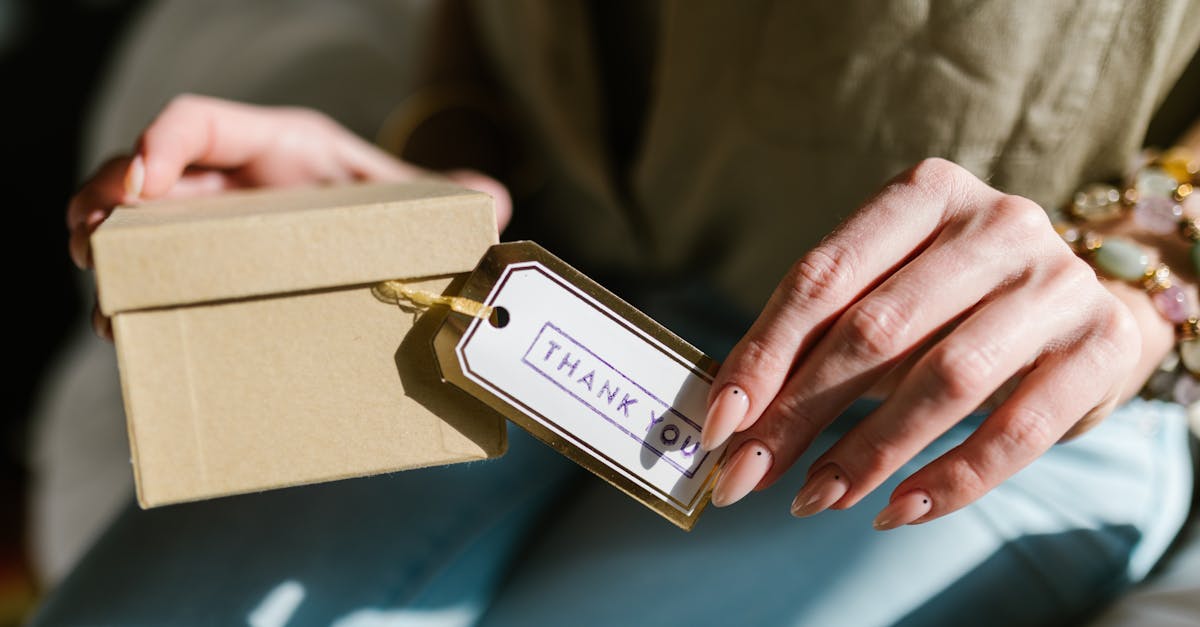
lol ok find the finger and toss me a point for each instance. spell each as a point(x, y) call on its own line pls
point(196, 130)
point(101, 324)
point(872, 243)
point(197, 182)
point(1023, 428)
point(117, 182)
point(80, 249)
point(951, 380)
point(105, 188)
point(368, 162)
point(92, 204)
point(953, 275)
point(277, 146)
point(490, 186)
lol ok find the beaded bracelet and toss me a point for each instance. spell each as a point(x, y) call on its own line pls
point(1122, 259)
point(1177, 378)
point(1159, 197)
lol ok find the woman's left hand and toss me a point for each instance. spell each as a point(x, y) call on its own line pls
point(970, 286)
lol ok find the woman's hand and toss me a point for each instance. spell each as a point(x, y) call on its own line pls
point(201, 146)
point(968, 288)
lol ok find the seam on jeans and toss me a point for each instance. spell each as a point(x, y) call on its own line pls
point(1009, 543)
point(1024, 555)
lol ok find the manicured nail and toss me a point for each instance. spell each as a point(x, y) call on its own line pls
point(745, 469)
point(726, 413)
point(135, 177)
point(824, 488)
point(903, 510)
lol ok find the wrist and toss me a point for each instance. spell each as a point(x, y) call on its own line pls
point(1157, 335)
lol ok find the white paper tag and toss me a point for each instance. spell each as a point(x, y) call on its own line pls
point(595, 381)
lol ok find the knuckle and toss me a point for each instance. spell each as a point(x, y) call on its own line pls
point(1120, 322)
point(934, 172)
point(875, 456)
point(1063, 281)
point(823, 274)
point(957, 371)
point(1074, 274)
point(184, 102)
point(967, 478)
point(792, 409)
point(1020, 216)
point(942, 182)
point(758, 356)
point(1116, 332)
point(875, 327)
point(181, 110)
point(1027, 429)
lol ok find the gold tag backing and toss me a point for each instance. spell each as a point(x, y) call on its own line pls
point(587, 374)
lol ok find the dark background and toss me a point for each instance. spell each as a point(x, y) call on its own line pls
point(51, 56)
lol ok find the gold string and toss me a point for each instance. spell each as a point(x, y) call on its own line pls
point(396, 291)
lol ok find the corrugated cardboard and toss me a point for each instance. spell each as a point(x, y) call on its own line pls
point(253, 354)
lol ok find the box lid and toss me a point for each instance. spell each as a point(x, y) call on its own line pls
point(255, 243)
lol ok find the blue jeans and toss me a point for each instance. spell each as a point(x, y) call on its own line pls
point(530, 539)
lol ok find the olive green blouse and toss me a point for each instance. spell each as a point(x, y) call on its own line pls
point(757, 125)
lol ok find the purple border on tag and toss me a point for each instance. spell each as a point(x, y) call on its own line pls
point(525, 359)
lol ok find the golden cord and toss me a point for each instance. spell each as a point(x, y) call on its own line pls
point(397, 291)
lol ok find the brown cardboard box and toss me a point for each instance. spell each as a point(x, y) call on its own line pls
point(253, 354)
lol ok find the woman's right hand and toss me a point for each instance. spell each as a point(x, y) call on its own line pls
point(199, 146)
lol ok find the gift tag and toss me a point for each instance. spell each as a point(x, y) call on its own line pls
point(587, 374)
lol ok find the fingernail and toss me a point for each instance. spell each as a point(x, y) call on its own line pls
point(745, 469)
point(726, 413)
point(824, 488)
point(94, 219)
point(135, 177)
point(903, 510)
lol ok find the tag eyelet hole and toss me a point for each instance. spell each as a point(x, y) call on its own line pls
point(499, 318)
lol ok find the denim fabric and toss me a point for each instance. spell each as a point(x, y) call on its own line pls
point(1045, 547)
point(528, 539)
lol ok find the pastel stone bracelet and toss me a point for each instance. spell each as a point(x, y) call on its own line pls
point(1159, 197)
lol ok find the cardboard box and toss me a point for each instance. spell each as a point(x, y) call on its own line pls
point(253, 354)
